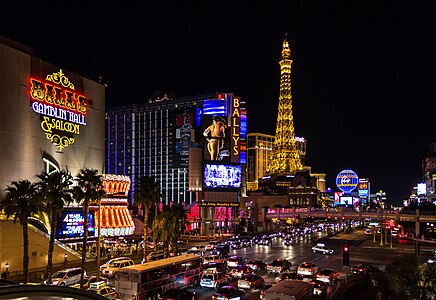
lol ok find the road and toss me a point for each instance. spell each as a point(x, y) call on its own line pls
point(362, 250)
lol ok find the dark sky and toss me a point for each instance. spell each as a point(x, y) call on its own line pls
point(363, 76)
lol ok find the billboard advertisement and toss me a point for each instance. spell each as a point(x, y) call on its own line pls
point(347, 200)
point(422, 189)
point(235, 129)
point(363, 187)
point(71, 225)
point(216, 139)
point(222, 176)
point(184, 136)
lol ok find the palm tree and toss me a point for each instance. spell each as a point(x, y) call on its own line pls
point(56, 191)
point(147, 194)
point(167, 227)
point(89, 188)
point(181, 221)
point(20, 201)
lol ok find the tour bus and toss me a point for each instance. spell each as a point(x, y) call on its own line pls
point(147, 280)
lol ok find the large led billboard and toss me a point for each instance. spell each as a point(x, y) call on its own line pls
point(71, 225)
point(216, 139)
point(222, 176)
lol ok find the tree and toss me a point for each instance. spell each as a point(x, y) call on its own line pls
point(427, 281)
point(403, 276)
point(20, 201)
point(89, 188)
point(56, 191)
point(147, 194)
point(166, 231)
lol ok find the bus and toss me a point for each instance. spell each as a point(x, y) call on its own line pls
point(148, 280)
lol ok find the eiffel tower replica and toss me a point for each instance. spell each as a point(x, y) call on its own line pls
point(285, 159)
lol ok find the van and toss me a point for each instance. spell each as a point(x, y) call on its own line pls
point(107, 264)
point(66, 277)
point(115, 266)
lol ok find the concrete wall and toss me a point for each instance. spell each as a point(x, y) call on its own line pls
point(11, 248)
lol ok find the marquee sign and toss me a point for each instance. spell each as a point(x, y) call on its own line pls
point(347, 181)
point(61, 108)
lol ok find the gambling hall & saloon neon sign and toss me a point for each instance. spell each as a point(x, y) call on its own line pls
point(62, 110)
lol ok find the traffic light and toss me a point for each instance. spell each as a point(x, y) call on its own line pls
point(346, 255)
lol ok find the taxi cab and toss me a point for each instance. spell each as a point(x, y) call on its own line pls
point(322, 248)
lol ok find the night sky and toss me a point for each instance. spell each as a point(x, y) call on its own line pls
point(363, 76)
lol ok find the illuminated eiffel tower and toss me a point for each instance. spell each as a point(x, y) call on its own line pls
point(285, 157)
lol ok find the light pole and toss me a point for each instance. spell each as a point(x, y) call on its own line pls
point(98, 238)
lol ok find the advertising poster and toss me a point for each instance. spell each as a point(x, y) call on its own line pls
point(71, 225)
point(216, 139)
point(222, 176)
point(184, 136)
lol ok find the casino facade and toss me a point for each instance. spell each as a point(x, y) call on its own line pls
point(50, 118)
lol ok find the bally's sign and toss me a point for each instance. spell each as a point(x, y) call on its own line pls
point(62, 110)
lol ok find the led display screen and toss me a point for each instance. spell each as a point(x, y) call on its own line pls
point(222, 176)
point(71, 225)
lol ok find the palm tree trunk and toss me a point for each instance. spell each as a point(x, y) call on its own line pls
point(146, 212)
point(53, 224)
point(85, 240)
point(25, 252)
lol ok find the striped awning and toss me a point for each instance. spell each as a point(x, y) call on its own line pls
point(115, 221)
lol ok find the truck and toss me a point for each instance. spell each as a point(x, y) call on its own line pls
point(289, 289)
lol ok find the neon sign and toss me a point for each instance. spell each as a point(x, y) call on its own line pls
point(62, 110)
point(236, 119)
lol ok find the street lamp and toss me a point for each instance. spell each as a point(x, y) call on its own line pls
point(6, 270)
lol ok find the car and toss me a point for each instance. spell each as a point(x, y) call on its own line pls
point(66, 277)
point(307, 268)
point(266, 241)
point(211, 245)
point(217, 267)
point(319, 287)
point(368, 231)
point(110, 271)
point(102, 289)
point(212, 279)
point(212, 258)
point(289, 275)
point(234, 261)
point(322, 248)
point(327, 275)
point(288, 241)
point(228, 292)
point(106, 264)
point(364, 269)
point(257, 265)
point(177, 294)
point(251, 281)
point(86, 282)
point(246, 242)
point(278, 265)
point(262, 291)
point(223, 248)
point(235, 245)
point(238, 271)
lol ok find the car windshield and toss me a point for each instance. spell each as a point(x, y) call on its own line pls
point(59, 274)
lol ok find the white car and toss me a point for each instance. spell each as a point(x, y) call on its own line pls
point(321, 248)
point(307, 268)
point(214, 280)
